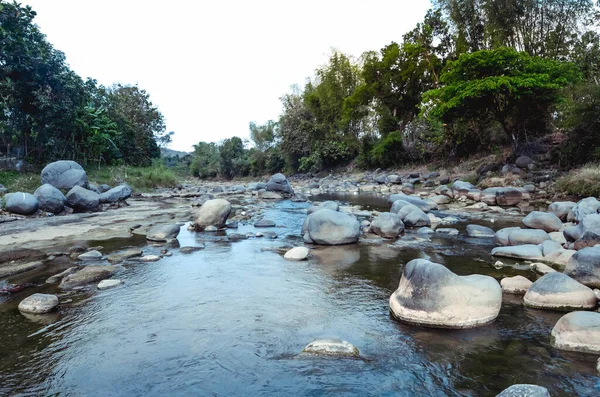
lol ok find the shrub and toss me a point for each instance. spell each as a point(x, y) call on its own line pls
point(389, 151)
point(583, 182)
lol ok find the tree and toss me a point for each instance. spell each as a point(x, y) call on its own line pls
point(233, 158)
point(295, 125)
point(505, 86)
point(205, 160)
point(264, 135)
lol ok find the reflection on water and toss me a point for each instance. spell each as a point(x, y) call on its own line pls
point(230, 319)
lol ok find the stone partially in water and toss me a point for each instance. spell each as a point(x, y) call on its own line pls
point(212, 213)
point(517, 285)
point(57, 277)
point(332, 228)
point(527, 236)
point(124, 255)
point(387, 225)
point(577, 331)
point(558, 291)
point(106, 284)
point(501, 236)
point(87, 275)
point(417, 218)
point(524, 390)
point(561, 209)
point(296, 254)
point(265, 223)
point(584, 266)
point(162, 233)
point(527, 251)
point(480, 231)
point(279, 183)
point(150, 258)
point(90, 256)
point(431, 295)
point(39, 303)
point(331, 347)
point(545, 221)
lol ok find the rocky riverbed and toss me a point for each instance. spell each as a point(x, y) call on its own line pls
point(291, 286)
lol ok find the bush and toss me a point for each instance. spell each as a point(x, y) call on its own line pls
point(140, 178)
point(389, 151)
point(584, 182)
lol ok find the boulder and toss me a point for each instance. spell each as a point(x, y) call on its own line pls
point(330, 205)
point(447, 230)
point(296, 254)
point(488, 195)
point(264, 223)
point(393, 179)
point(332, 228)
point(64, 174)
point(517, 285)
point(103, 188)
point(431, 295)
point(116, 194)
point(557, 291)
point(331, 347)
point(416, 201)
point(462, 188)
point(508, 196)
point(163, 233)
point(577, 331)
point(82, 200)
point(501, 236)
point(584, 266)
point(387, 225)
point(589, 223)
point(50, 198)
point(38, 304)
point(527, 251)
point(546, 221)
point(21, 203)
point(92, 255)
point(212, 213)
point(407, 188)
point(106, 284)
point(441, 199)
point(416, 218)
point(398, 205)
point(480, 231)
point(587, 206)
point(124, 255)
point(87, 275)
point(279, 183)
point(561, 209)
point(523, 161)
point(527, 236)
point(524, 390)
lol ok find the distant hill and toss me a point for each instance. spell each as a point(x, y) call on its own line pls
point(164, 152)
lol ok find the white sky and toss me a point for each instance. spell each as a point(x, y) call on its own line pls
point(211, 67)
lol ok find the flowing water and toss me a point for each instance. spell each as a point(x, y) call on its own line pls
point(231, 319)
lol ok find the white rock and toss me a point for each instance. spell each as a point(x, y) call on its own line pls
point(517, 285)
point(38, 303)
point(150, 258)
point(334, 347)
point(296, 254)
point(90, 256)
point(106, 284)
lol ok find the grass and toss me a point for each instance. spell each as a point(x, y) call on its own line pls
point(140, 178)
point(583, 182)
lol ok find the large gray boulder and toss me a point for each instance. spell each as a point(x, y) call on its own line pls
point(501, 237)
point(584, 207)
point(38, 304)
point(64, 174)
point(330, 205)
point(586, 233)
point(524, 390)
point(508, 196)
point(163, 233)
point(557, 291)
point(82, 200)
point(543, 220)
point(561, 209)
point(584, 266)
point(387, 225)
point(462, 188)
point(480, 231)
point(431, 295)
point(116, 194)
point(332, 228)
point(212, 213)
point(527, 236)
point(398, 205)
point(488, 195)
point(523, 161)
point(50, 198)
point(577, 331)
point(331, 347)
point(517, 285)
point(416, 218)
point(21, 203)
point(279, 183)
point(416, 201)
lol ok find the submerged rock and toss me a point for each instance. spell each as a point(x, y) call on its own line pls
point(558, 291)
point(124, 255)
point(517, 285)
point(87, 275)
point(431, 295)
point(296, 254)
point(64, 174)
point(38, 304)
point(265, 223)
point(577, 331)
point(212, 213)
point(331, 347)
point(332, 228)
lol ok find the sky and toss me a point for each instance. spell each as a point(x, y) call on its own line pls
point(211, 67)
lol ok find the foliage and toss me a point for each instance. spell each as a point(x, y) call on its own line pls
point(205, 160)
point(505, 86)
point(584, 182)
point(389, 152)
point(48, 113)
point(234, 160)
point(20, 182)
point(140, 178)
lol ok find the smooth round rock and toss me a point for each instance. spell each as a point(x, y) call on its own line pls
point(106, 284)
point(38, 303)
point(296, 254)
point(265, 223)
point(527, 236)
point(212, 213)
point(517, 285)
point(431, 295)
point(480, 231)
point(50, 198)
point(524, 390)
point(81, 199)
point(557, 291)
point(577, 331)
point(545, 221)
point(584, 266)
point(332, 228)
point(21, 203)
point(162, 233)
point(150, 258)
point(92, 255)
point(64, 174)
point(331, 347)
point(387, 225)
